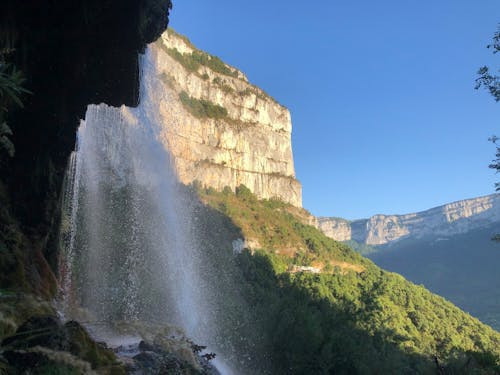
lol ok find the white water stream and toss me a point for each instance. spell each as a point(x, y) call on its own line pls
point(128, 249)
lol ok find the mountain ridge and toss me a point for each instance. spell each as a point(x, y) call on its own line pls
point(445, 220)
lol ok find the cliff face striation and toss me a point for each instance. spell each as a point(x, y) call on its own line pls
point(450, 219)
point(220, 129)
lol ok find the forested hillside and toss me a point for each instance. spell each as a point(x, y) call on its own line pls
point(326, 309)
point(464, 268)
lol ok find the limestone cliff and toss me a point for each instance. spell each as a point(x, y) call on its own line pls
point(336, 228)
point(220, 129)
point(450, 219)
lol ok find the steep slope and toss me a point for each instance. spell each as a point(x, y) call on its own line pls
point(220, 129)
point(326, 309)
point(448, 249)
point(463, 268)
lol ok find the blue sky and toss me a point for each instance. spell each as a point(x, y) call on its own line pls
point(384, 111)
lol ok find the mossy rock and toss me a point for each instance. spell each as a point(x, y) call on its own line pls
point(82, 345)
point(57, 369)
point(47, 346)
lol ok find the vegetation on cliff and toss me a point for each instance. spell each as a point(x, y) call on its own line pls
point(351, 317)
point(11, 92)
point(193, 61)
point(202, 108)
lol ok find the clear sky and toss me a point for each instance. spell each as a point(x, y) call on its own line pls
point(384, 111)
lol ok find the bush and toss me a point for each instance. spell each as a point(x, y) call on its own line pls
point(354, 319)
point(192, 61)
point(245, 194)
point(201, 108)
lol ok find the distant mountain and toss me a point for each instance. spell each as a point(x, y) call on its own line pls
point(463, 268)
point(448, 249)
point(447, 220)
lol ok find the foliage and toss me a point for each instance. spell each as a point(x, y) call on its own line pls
point(11, 86)
point(5, 143)
point(279, 226)
point(492, 83)
point(361, 248)
point(11, 90)
point(486, 79)
point(223, 86)
point(202, 108)
point(184, 38)
point(462, 268)
point(193, 61)
point(345, 322)
point(258, 92)
point(495, 164)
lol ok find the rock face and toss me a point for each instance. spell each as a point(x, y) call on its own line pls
point(249, 143)
point(450, 219)
point(336, 228)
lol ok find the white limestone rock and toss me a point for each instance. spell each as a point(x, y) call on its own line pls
point(444, 221)
point(252, 146)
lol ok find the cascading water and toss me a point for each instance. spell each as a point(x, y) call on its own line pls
point(129, 252)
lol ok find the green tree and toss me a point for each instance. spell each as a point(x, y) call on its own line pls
point(490, 81)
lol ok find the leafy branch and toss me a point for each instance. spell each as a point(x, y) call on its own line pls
point(486, 79)
point(11, 86)
point(11, 91)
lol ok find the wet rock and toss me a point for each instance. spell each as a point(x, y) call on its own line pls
point(179, 357)
point(43, 342)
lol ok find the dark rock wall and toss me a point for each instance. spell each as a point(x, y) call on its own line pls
point(72, 53)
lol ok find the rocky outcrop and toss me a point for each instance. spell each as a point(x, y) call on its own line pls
point(246, 141)
point(336, 228)
point(450, 219)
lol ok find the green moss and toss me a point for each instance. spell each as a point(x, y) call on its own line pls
point(57, 369)
point(202, 108)
point(82, 345)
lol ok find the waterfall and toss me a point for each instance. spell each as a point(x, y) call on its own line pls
point(129, 253)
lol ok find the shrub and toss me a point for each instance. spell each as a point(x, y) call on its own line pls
point(201, 108)
point(192, 61)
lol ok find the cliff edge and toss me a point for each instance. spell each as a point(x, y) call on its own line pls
point(220, 129)
point(447, 220)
